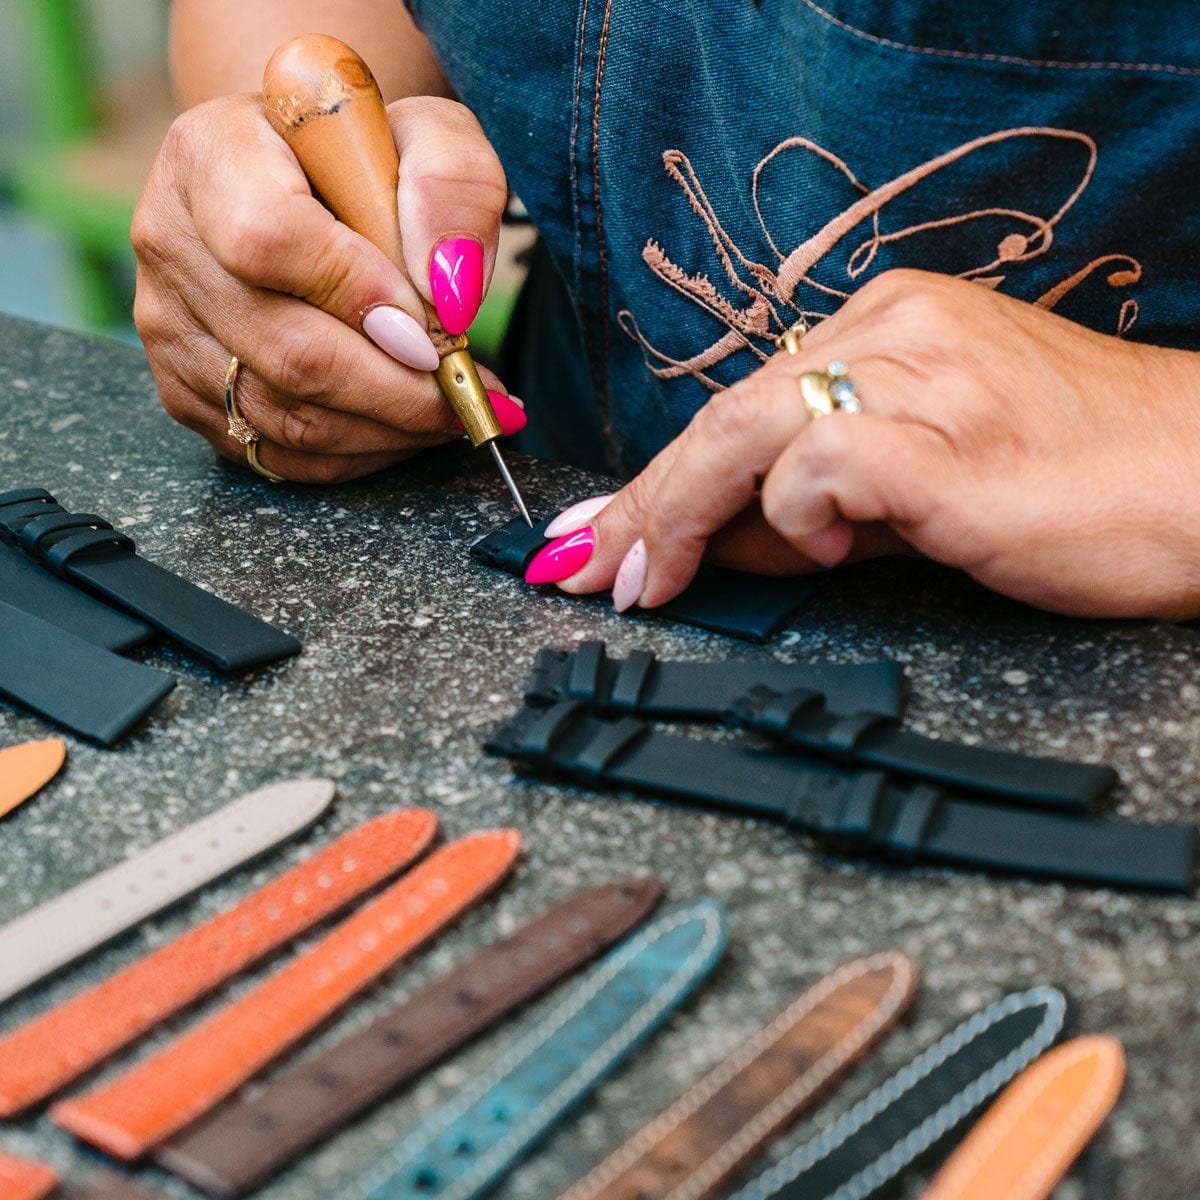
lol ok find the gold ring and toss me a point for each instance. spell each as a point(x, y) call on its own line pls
point(240, 429)
point(790, 338)
point(829, 391)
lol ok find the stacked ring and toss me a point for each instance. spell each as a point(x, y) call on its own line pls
point(829, 391)
point(240, 429)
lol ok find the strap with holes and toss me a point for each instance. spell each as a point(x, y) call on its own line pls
point(50, 1051)
point(21, 1179)
point(27, 768)
point(139, 1109)
point(96, 911)
point(463, 1149)
point(692, 1148)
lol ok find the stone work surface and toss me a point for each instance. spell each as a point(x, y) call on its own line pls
point(412, 652)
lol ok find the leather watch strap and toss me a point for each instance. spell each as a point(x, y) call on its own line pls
point(27, 768)
point(463, 1149)
point(87, 551)
point(1026, 1142)
point(74, 683)
point(869, 1145)
point(236, 1148)
point(50, 1051)
point(159, 1096)
point(693, 1147)
point(642, 685)
point(752, 607)
point(852, 812)
point(106, 1185)
point(97, 910)
point(21, 1179)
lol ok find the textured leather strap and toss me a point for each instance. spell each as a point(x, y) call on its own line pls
point(1026, 1142)
point(236, 1148)
point(51, 1050)
point(691, 1149)
point(86, 550)
point(107, 1185)
point(26, 769)
point(24, 1180)
point(463, 1149)
point(868, 1146)
point(96, 911)
point(752, 607)
point(139, 1109)
point(851, 812)
point(74, 683)
point(642, 685)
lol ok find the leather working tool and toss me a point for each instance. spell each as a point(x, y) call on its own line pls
point(322, 99)
point(160, 1095)
point(27, 768)
point(463, 1149)
point(240, 1145)
point(85, 550)
point(1026, 1142)
point(47, 1053)
point(688, 1151)
point(852, 812)
point(96, 911)
point(867, 1147)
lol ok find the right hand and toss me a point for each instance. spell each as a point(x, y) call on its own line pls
point(235, 256)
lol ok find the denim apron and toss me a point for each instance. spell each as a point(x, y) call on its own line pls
point(704, 171)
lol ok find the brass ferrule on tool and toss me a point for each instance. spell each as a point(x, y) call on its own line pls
point(464, 389)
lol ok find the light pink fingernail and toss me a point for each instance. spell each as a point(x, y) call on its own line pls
point(578, 515)
point(630, 582)
point(561, 558)
point(456, 281)
point(398, 334)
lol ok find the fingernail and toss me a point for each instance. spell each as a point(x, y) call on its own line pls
point(398, 334)
point(509, 412)
point(578, 515)
point(630, 582)
point(456, 281)
point(561, 558)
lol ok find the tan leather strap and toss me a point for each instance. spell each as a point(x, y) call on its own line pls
point(26, 769)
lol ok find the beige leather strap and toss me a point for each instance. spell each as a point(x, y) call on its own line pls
point(26, 769)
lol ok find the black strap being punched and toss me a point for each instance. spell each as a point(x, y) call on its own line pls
point(644, 686)
point(804, 719)
point(853, 812)
point(85, 550)
point(752, 607)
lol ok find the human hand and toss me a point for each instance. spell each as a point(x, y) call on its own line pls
point(1052, 463)
point(236, 257)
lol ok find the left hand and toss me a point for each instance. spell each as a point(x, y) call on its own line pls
point(1052, 463)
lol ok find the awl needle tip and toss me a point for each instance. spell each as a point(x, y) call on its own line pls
point(512, 487)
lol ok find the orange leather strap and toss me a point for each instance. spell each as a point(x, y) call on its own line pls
point(1026, 1142)
point(50, 1051)
point(26, 769)
point(23, 1180)
point(161, 1095)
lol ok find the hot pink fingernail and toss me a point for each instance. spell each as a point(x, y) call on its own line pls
point(401, 336)
point(561, 558)
point(456, 281)
point(578, 515)
point(630, 582)
point(509, 412)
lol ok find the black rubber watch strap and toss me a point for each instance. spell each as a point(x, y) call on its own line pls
point(72, 682)
point(852, 812)
point(643, 685)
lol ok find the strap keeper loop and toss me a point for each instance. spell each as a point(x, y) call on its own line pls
point(605, 745)
point(842, 740)
point(583, 672)
point(630, 684)
point(59, 556)
point(910, 823)
point(33, 533)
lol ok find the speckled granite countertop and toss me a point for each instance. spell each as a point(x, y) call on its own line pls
point(412, 652)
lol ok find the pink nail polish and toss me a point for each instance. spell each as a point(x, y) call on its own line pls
point(509, 413)
point(398, 334)
point(630, 582)
point(456, 281)
point(561, 558)
point(578, 515)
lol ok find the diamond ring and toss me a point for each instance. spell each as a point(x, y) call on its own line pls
point(240, 429)
point(829, 391)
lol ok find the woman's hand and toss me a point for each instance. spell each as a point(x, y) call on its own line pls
point(236, 257)
point(1052, 463)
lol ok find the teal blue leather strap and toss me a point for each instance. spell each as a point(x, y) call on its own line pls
point(463, 1149)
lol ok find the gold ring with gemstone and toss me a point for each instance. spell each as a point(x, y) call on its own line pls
point(829, 391)
point(240, 429)
point(790, 338)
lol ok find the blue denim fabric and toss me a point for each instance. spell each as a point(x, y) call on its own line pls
point(1053, 146)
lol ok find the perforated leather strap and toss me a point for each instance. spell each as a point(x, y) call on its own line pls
point(27, 768)
point(86, 550)
point(236, 1148)
point(462, 1150)
point(691, 1149)
point(21, 1179)
point(752, 607)
point(50, 1051)
point(643, 685)
point(84, 918)
point(869, 1145)
point(162, 1094)
point(851, 812)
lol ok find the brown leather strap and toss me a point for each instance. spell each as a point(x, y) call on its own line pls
point(104, 1185)
point(239, 1146)
point(694, 1146)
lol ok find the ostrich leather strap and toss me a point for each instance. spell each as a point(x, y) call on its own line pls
point(21, 1179)
point(26, 769)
